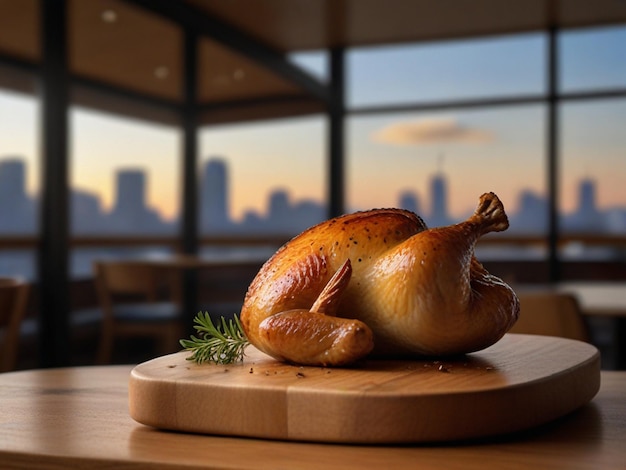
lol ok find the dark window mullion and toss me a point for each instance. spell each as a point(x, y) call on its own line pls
point(54, 224)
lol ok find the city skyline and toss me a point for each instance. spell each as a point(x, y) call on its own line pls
point(282, 165)
point(132, 213)
point(292, 153)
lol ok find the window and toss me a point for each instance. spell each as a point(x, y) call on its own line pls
point(438, 164)
point(125, 176)
point(593, 59)
point(314, 62)
point(125, 181)
point(262, 178)
point(436, 157)
point(477, 68)
point(593, 196)
point(18, 164)
point(19, 185)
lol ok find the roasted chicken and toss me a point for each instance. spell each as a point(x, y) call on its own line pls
point(380, 282)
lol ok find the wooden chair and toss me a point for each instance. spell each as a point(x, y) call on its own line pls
point(128, 293)
point(13, 299)
point(551, 314)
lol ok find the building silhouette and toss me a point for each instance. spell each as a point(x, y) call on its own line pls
point(532, 215)
point(587, 197)
point(86, 213)
point(130, 193)
point(214, 197)
point(438, 216)
point(17, 209)
point(131, 213)
point(279, 208)
point(409, 200)
point(282, 216)
point(587, 217)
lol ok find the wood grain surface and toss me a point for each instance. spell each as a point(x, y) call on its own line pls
point(55, 419)
point(520, 382)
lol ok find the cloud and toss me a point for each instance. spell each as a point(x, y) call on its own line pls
point(430, 131)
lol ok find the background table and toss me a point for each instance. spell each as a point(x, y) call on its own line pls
point(604, 299)
point(223, 280)
point(598, 298)
point(78, 417)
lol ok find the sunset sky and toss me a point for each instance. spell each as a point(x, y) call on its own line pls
point(484, 149)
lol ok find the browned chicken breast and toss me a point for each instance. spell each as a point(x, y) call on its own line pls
point(380, 282)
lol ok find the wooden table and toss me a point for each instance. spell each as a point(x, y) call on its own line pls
point(598, 298)
point(78, 418)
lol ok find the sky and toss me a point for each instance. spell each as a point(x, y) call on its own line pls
point(291, 153)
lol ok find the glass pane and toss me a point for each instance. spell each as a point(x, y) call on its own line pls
point(18, 262)
point(477, 68)
point(19, 166)
point(125, 176)
point(263, 178)
point(438, 164)
point(314, 62)
point(19, 185)
point(593, 58)
point(593, 195)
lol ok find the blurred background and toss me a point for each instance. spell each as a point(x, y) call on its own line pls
point(136, 128)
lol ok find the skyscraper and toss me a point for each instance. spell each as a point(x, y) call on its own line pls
point(278, 204)
point(439, 201)
point(410, 201)
point(214, 212)
point(587, 217)
point(130, 191)
point(532, 215)
point(12, 179)
point(17, 209)
point(131, 213)
point(587, 197)
point(87, 215)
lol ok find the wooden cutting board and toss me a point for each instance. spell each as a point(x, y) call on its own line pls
point(520, 382)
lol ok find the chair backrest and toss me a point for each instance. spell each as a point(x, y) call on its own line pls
point(13, 300)
point(551, 314)
point(134, 280)
point(127, 278)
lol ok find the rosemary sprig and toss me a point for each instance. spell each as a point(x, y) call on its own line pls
point(221, 344)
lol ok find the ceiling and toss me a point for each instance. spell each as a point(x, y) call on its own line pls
point(136, 46)
point(292, 25)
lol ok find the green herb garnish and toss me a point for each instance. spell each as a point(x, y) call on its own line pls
point(221, 344)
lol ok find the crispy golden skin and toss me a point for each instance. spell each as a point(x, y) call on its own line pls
point(380, 281)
